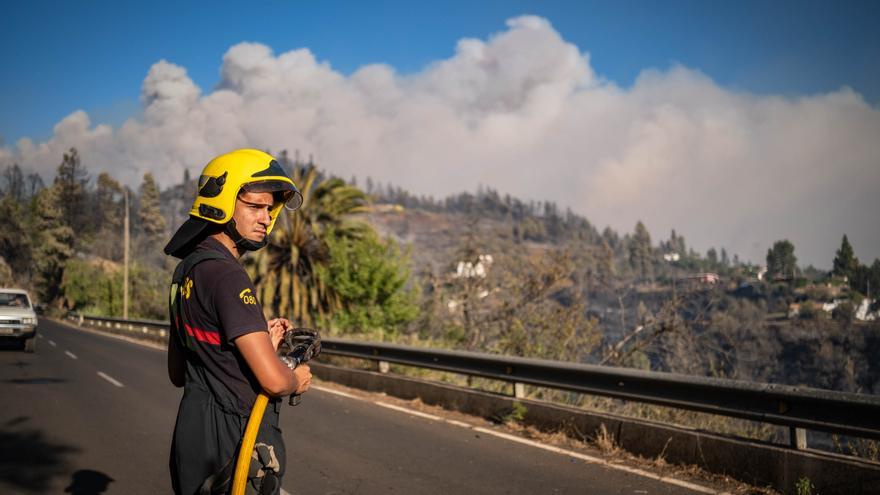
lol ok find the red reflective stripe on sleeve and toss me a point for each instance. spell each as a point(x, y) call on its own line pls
point(212, 338)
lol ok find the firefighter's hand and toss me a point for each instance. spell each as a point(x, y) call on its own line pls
point(283, 321)
point(277, 329)
point(302, 374)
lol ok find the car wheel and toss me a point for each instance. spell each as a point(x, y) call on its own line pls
point(30, 345)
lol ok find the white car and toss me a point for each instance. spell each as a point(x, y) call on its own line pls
point(17, 318)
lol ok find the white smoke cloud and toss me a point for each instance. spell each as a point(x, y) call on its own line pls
point(525, 113)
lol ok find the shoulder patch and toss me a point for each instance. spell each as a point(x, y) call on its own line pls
point(246, 297)
point(186, 290)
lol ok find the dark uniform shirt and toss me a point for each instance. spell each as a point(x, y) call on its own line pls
point(219, 303)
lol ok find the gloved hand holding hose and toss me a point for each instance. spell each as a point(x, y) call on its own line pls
point(279, 329)
point(300, 345)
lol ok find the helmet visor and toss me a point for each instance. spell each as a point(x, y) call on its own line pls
point(282, 192)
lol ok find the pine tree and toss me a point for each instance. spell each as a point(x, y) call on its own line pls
point(149, 214)
point(712, 257)
point(845, 262)
point(109, 211)
point(605, 265)
point(71, 182)
point(15, 246)
point(781, 260)
point(108, 195)
point(34, 184)
point(53, 240)
point(12, 183)
point(611, 238)
point(677, 244)
point(873, 279)
point(640, 257)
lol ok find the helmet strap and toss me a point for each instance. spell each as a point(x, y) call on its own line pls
point(242, 242)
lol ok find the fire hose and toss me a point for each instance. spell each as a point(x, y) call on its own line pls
point(299, 346)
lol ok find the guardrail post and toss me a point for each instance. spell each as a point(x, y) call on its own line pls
point(519, 390)
point(383, 366)
point(80, 320)
point(797, 437)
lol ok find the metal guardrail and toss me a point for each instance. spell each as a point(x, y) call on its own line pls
point(154, 328)
point(795, 407)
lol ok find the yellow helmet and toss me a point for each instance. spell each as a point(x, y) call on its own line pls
point(220, 183)
point(252, 170)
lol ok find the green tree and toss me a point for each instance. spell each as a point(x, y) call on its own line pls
point(873, 279)
point(12, 182)
point(781, 260)
point(370, 277)
point(71, 181)
point(149, 292)
point(109, 212)
point(95, 287)
point(845, 262)
point(91, 288)
point(15, 246)
point(640, 255)
point(605, 265)
point(712, 257)
point(866, 279)
point(149, 214)
point(34, 183)
point(52, 241)
point(285, 272)
point(6, 278)
point(677, 244)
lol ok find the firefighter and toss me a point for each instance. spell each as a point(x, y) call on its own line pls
point(222, 350)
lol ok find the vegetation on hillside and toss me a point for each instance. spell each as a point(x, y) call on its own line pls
point(477, 271)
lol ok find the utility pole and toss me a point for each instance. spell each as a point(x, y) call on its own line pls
point(125, 261)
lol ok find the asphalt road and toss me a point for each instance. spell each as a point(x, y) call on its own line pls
point(90, 414)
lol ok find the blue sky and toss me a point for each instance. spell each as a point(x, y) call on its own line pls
point(93, 55)
point(736, 123)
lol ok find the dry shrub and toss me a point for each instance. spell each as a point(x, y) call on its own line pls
point(605, 441)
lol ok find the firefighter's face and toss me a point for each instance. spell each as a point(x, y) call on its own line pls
point(252, 214)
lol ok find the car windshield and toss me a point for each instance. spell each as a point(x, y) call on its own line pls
point(13, 300)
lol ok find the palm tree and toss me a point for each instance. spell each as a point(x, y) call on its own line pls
point(284, 272)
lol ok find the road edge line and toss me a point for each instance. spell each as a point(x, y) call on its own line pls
point(124, 338)
point(532, 443)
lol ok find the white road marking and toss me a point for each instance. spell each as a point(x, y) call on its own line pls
point(52, 343)
point(72, 355)
point(409, 411)
point(284, 492)
point(532, 443)
point(39, 336)
point(110, 379)
point(596, 460)
point(336, 392)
